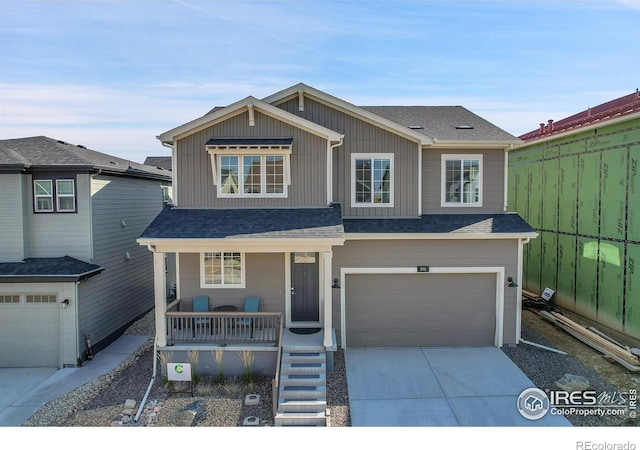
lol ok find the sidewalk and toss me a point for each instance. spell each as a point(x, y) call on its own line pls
point(23, 391)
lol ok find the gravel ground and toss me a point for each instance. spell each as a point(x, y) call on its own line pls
point(100, 402)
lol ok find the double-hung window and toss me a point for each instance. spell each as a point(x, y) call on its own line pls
point(54, 195)
point(222, 270)
point(250, 167)
point(372, 179)
point(461, 180)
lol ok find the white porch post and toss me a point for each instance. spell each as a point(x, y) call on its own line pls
point(160, 293)
point(328, 297)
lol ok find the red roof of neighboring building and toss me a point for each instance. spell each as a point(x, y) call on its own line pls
point(601, 113)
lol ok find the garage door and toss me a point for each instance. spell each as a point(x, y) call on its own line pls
point(426, 310)
point(29, 331)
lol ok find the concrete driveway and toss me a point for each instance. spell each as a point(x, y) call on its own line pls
point(437, 387)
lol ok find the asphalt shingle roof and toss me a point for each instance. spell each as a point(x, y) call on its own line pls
point(440, 122)
point(443, 223)
point(64, 268)
point(308, 223)
point(41, 151)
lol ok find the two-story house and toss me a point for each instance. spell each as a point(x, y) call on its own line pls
point(378, 226)
point(72, 276)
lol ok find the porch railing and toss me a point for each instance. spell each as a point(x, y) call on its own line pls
point(223, 327)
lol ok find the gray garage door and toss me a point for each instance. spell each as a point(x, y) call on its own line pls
point(426, 310)
point(29, 331)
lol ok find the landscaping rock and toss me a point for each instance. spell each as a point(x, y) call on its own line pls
point(572, 383)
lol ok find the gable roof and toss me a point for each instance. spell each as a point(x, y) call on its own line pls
point(349, 108)
point(41, 152)
point(247, 104)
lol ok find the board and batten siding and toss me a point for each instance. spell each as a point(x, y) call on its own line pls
point(363, 137)
point(11, 217)
point(122, 209)
point(308, 164)
point(264, 275)
point(492, 182)
point(433, 253)
point(60, 234)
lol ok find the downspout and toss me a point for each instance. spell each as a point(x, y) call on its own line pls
point(330, 169)
point(521, 244)
point(153, 379)
point(174, 173)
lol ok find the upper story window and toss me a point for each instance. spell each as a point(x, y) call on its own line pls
point(251, 167)
point(222, 270)
point(251, 175)
point(54, 195)
point(461, 180)
point(372, 179)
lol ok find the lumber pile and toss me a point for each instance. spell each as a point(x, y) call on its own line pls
point(598, 341)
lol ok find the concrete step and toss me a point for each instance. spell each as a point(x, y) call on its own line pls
point(303, 348)
point(301, 369)
point(295, 419)
point(304, 358)
point(314, 379)
point(302, 406)
point(303, 392)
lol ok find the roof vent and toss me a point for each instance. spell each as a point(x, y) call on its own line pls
point(113, 162)
point(416, 127)
point(62, 142)
point(464, 127)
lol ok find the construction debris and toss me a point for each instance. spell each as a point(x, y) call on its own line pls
point(609, 348)
point(555, 350)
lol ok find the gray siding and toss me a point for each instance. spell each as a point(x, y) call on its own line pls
point(363, 137)
point(53, 235)
point(308, 164)
point(11, 218)
point(435, 253)
point(124, 291)
point(265, 276)
point(492, 182)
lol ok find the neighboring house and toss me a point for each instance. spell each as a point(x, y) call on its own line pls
point(161, 162)
point(576, 182)
point(70, 267)
point(382, 226)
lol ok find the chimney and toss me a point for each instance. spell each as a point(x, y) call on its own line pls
point(550, 125)
point(542, 128)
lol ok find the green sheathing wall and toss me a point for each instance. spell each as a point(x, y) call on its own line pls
point(581, 192)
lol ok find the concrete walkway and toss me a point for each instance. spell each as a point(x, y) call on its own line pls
point(23, 391)
point(427, 387)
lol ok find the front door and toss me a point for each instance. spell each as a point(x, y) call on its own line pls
point(305, 287)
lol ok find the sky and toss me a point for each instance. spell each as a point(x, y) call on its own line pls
point(113, 75)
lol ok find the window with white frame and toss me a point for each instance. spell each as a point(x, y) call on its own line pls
point(461, 180)
point(251, 175)
point(222, 269)
point(54, 195)
point(372, 179)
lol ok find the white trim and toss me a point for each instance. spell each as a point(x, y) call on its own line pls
point(435, 236)
point(419, 181)
point(216, 167)
point(372, 156)
point(245, 245)
point(475, 145)
point(171, 136)
point(443, 179)
point(505, 187)
point(243, 270)
point(160, 298)
point(498, 271)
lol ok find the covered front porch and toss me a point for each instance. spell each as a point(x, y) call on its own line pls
point(281, 257)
